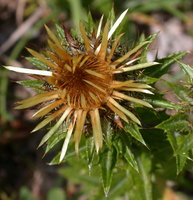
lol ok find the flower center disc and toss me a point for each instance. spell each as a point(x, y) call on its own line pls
point(84, 81)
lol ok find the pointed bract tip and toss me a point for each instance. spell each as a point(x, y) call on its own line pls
point(125, 12)
point(149, 105)
point(6, 67)
point(97, 149)
point(106, 191)
point(28, 49)
point(117, 23)
point(17, 107)
point(11, 68)
point(138, 122)
point(156, 63)
point(34, 115)
point(29, 71)
point(34, 130)
point(46, 27)
point(61, 159)
point(99, 27)
point(41, 143)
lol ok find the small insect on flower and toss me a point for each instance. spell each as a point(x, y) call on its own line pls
point(82, 81)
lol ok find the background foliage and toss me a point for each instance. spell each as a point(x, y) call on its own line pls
point(153, 162)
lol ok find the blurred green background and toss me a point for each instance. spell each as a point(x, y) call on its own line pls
point(23, 173)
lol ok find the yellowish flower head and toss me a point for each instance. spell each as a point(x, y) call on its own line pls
point(82, 81)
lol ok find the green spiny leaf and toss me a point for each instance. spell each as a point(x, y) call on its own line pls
point(90, 23)
point(144, 164)
point(119, 145)
point(112, 17)
point(164, 65)
point(56, 159)
point(181, 145)
point(172, 140)
point(182, 152)
point(182, 92)
point(36, 84)
point(141, 38)
point(123, 146)
point(148, 79)
point(60, 34)
point(152, 37)
point(133, 129)
point(108, 161)
point(55, 139)
point(90, 150)
point(188, 70)
point(186, 144)
point(180, 163)
point(177, 122)
point(36, 62)
point(130, 158)
point(145, 50)
point(159, 102)
point(107, 127)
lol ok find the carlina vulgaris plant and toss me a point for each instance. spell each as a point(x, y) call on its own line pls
point(82, 79)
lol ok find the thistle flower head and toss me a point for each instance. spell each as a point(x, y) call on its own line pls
point(81, 79)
